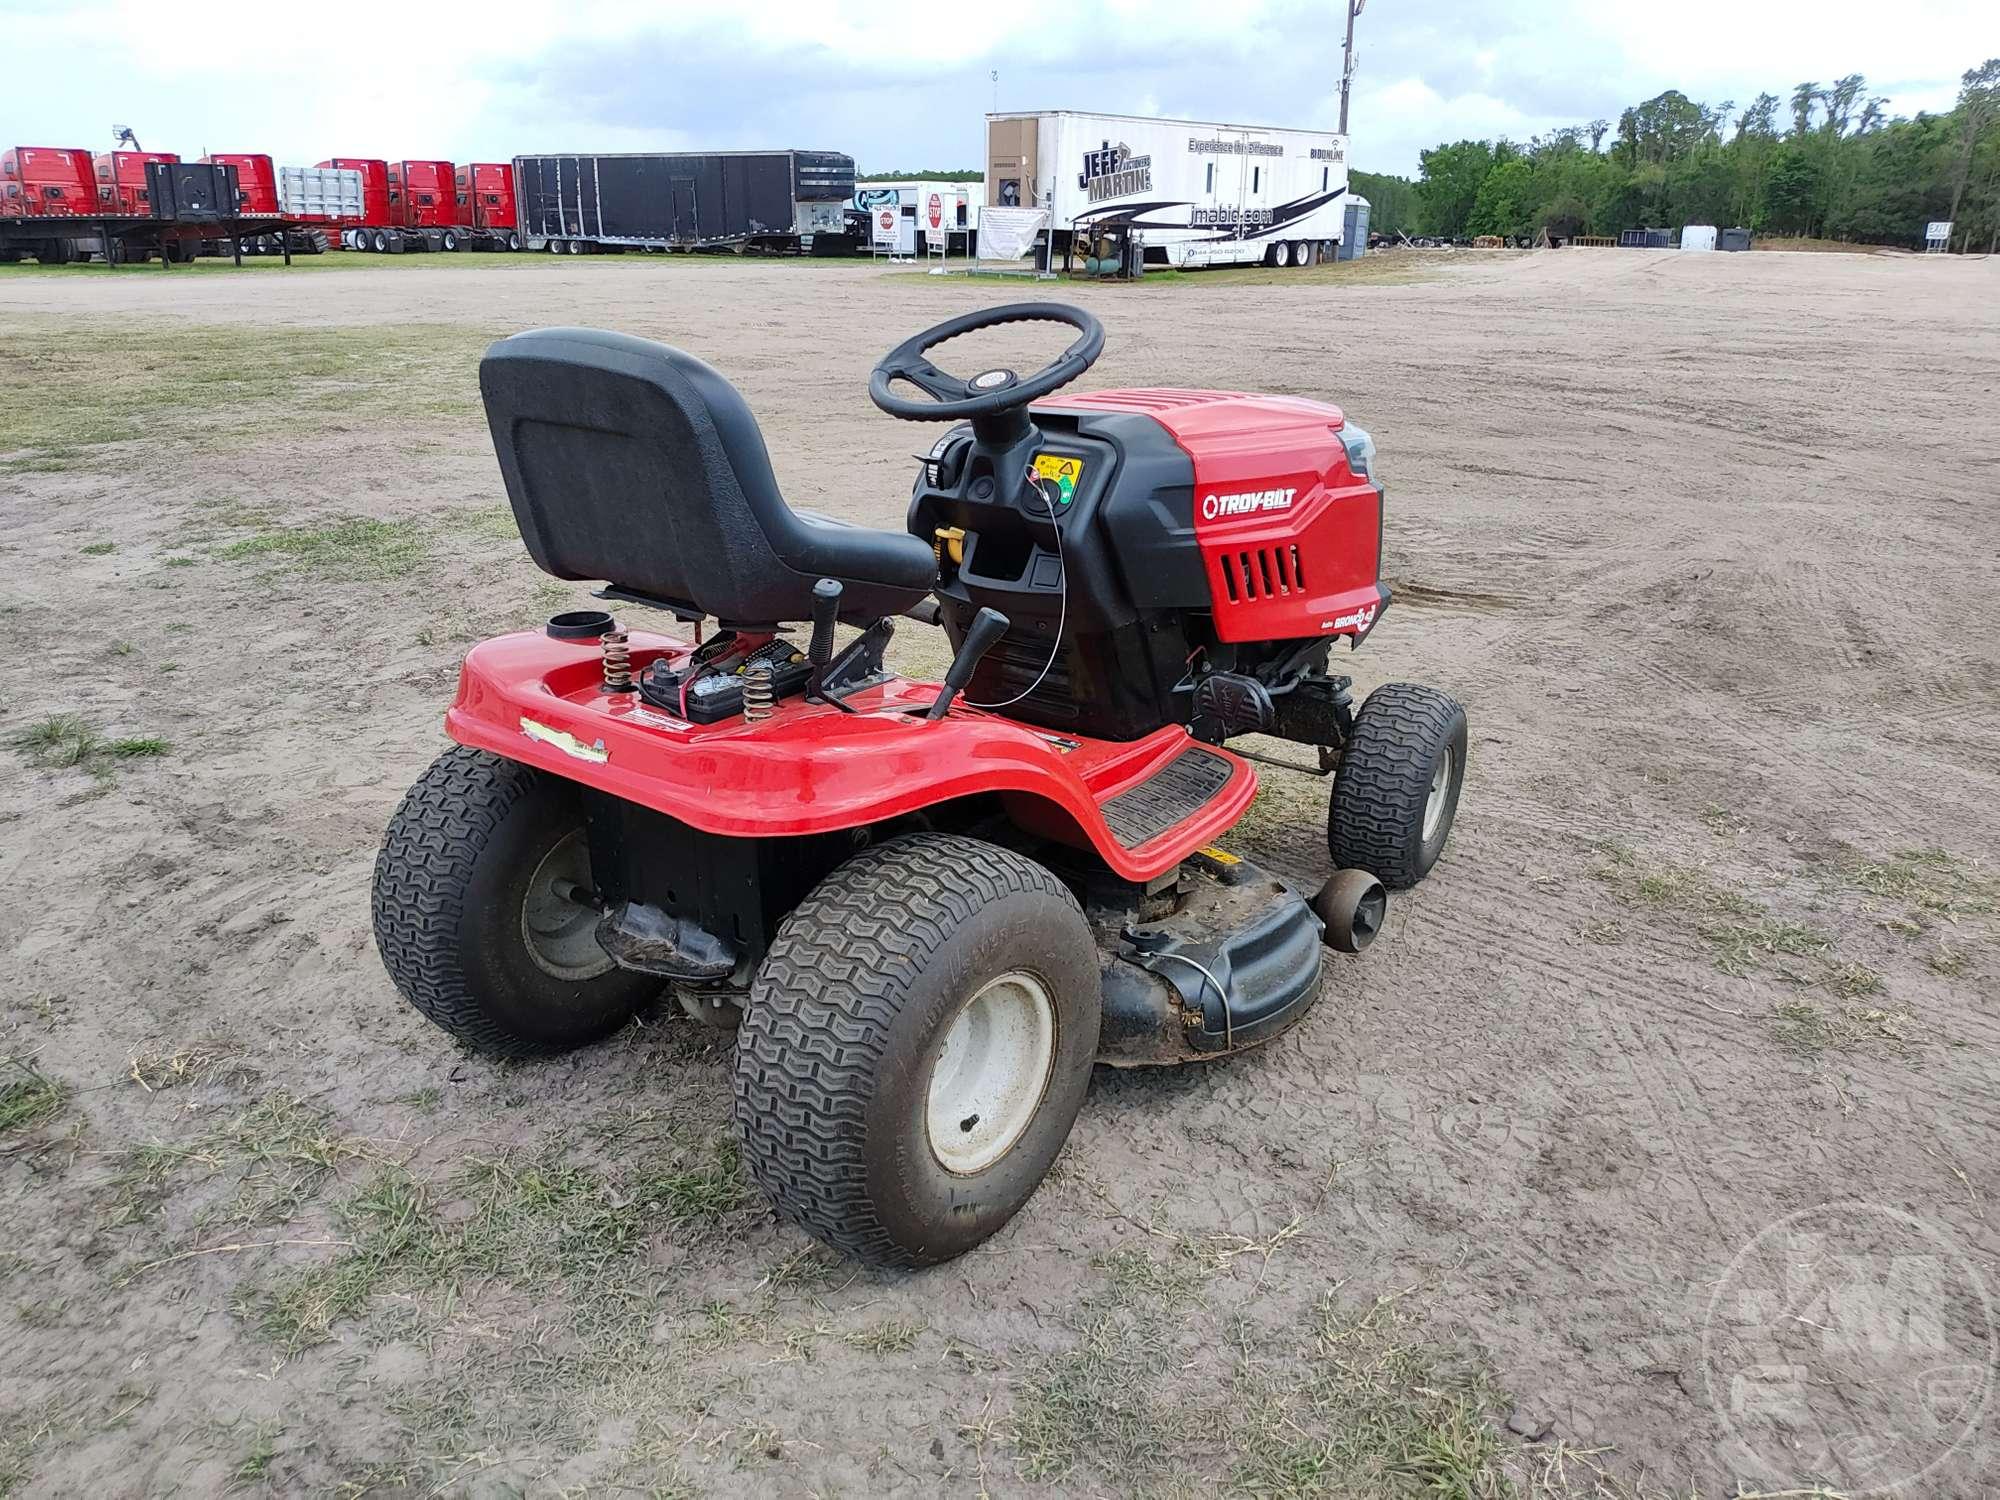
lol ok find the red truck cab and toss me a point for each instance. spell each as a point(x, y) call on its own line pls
point(422, 195)
point(486, 195)
point(375, 211)
point(46, 181)
point(256, 181)
point(121, 180)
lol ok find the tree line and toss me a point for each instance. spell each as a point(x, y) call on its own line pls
point(1823, 161)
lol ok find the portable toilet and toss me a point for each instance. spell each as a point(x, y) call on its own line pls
point(1736, 239)
point(1698, 237)
point(1354, 229)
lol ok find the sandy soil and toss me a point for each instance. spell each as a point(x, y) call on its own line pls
point(1708, 545)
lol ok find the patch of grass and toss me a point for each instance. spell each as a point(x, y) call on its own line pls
point(278, 1153)
point(59, 741)
point(1744, 946)
point(706, 1192)
point(71, 389)
point(1375, 1407)
point(98, 549)
point(1930, 880)
point(483, 522)
point(255, 1463)
point(354, 547)
point(28, 1097)
point(69, 741)
point(1092, 1403)
point(1138, 1278)
point(155, 1070)
point(1948, 962)
point(137, 747)
point(1809, 1029)
point(890, 1336)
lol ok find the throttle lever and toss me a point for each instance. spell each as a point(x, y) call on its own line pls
point(980, 637)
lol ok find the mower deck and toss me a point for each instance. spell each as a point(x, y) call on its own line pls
point(1142, 805)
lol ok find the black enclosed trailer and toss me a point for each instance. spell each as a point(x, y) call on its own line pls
point(686, 200)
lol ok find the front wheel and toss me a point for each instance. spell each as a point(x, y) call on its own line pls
point(1395, 793)
point(916, 1047)
point(484, 914)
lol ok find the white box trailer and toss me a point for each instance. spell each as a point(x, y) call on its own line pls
point(319, 193)
point(1195, 192)
point(955, 206)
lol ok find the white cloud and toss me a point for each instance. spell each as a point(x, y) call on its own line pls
point(902, 83)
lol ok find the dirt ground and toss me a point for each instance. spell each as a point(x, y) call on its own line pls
point(1651, 1151)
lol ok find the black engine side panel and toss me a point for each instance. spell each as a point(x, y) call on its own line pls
point(1109, 561)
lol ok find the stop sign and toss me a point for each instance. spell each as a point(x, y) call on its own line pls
point(936, 211)
point(888, 218)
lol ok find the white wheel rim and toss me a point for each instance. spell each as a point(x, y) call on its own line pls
point(992, 1072)
point(1440, 793)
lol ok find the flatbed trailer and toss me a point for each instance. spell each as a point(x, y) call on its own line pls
point(187, 204)
point(119, 239)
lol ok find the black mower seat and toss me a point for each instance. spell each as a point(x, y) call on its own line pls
point(637, 464)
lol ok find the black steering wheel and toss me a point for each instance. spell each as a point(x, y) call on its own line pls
point(992, 391)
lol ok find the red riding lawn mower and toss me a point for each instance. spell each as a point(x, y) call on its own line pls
point(925, 909)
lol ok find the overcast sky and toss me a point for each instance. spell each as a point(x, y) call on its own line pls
point(903, 85)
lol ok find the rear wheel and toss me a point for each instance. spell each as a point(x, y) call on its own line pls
point(513, 241)
point(1396, 791)
point(1302, 253)
point(450, 240)
point(1281, 254)
point(575, 247)
point(916, 1047)
point(483, 913)
point(380, 240)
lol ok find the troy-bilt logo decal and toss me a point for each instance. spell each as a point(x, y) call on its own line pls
point(564, 741)
point(1248, 503)
point(1360, 619)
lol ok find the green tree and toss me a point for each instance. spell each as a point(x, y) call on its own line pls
point(1791, 192)
point(1804, 97)
point(1392, 201)
point(1978, 106)
point(1450, 185)
point(1506, 199)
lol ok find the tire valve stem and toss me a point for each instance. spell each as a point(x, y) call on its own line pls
point(617, 661)
point(757, 694)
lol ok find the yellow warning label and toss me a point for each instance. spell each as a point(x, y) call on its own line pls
point(1066, 472)
point(1220, 856)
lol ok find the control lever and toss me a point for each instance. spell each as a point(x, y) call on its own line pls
point(825, 611)
point(980, 637)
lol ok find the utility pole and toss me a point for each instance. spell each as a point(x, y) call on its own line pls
point(1347, 60)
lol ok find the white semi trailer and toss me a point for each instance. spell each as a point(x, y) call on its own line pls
point(1193, 192)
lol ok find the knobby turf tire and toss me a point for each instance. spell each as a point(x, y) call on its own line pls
point(1375, 818)
point(845, 1019)
point(449, 881)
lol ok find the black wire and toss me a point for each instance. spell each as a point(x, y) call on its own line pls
point(1062, 614)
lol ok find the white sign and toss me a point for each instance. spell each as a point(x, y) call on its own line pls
point(884, 222)
point(1009, 233)
point(934, 212)
point(1938, 229)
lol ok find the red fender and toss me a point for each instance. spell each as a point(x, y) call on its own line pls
point(810, 768)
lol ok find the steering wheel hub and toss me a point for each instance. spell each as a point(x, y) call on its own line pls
point(993, 380)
